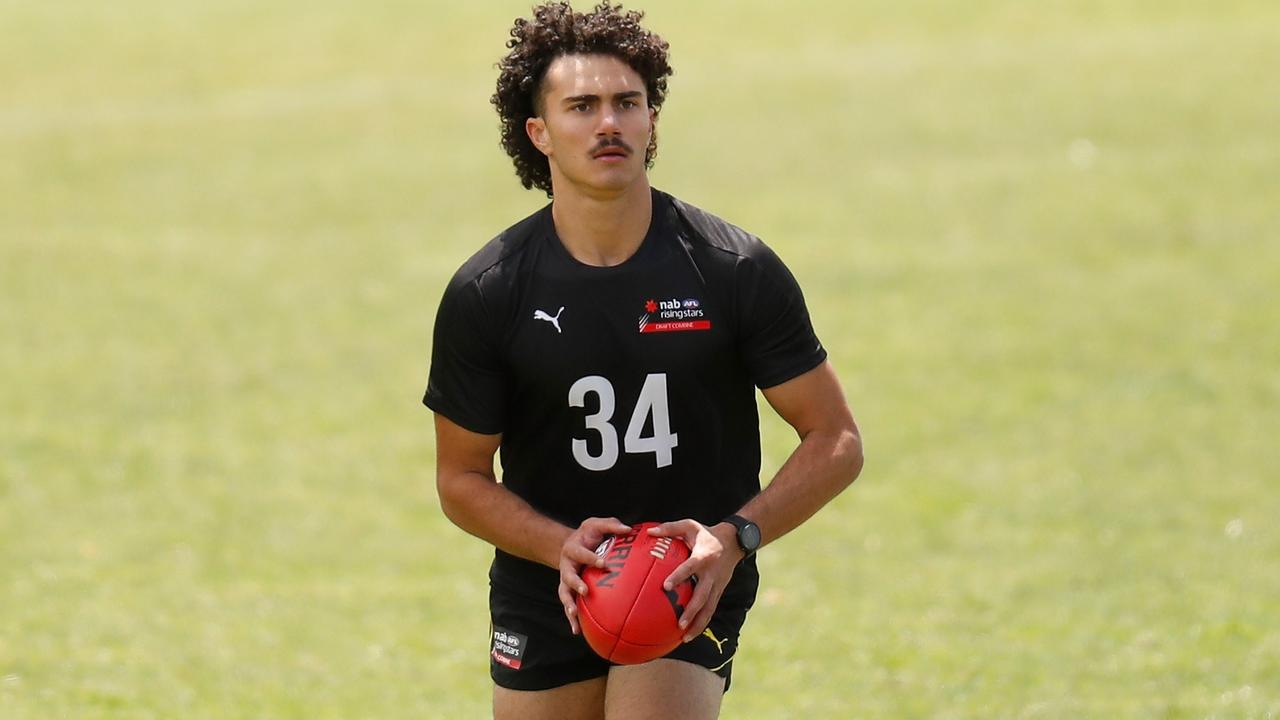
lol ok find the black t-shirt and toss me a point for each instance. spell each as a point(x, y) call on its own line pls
point(623, 391)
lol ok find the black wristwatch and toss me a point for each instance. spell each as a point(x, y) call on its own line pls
point(748, 534)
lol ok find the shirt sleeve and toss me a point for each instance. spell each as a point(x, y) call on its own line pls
point(467, 382)
point(778, 341)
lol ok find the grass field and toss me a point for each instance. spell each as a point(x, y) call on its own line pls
point(1041, 241)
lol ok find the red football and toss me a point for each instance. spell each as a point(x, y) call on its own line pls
point(626, 616)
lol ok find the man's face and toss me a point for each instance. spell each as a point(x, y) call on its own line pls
point(595, 123)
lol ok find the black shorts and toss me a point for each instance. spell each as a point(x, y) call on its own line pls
point(532, 648)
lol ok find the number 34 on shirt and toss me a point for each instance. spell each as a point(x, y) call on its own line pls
point(652, 403)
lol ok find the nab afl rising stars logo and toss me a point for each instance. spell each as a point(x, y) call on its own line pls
point(674, 315)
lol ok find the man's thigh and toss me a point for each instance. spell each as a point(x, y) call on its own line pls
point(576, 701)
point(663, 688)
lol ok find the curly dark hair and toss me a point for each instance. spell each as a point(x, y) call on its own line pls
point(556, 30)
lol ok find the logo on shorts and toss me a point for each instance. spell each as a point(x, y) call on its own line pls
point(719, 643)
point(673, 315)
point(508, 648)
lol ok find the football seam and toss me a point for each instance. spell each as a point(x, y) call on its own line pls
point(586, 610)
point(653, 562)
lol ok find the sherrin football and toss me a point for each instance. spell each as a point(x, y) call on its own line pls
point(626, 616)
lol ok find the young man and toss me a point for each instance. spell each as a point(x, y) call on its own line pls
point(609, 347)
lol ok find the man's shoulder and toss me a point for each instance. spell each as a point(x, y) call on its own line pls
point(713, 231)
point(728, 246)
point(504, 249)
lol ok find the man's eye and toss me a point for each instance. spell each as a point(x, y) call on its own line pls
point(580, 107)
point(630, 104)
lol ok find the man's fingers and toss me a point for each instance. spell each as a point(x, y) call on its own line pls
point(574, 583)
point(570, 577)
point(677, 528)
point(570, 604)
point(699, 622)
point(683, 571)
point(583, 556)
point(615, 526)
point(571, 613)
point(697, 614)
point(581, 546)
point(697, 602)
point(605, 526)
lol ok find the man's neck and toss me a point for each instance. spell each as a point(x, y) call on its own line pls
point(603, 230)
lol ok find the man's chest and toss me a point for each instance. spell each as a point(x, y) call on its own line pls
point(622, 328)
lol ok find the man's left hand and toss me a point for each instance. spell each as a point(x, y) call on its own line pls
point(714, 556)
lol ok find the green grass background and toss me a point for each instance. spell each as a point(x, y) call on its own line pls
point(1040, 239)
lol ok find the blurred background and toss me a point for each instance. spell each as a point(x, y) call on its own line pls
point(1041, 241)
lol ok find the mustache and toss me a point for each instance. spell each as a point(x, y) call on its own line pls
point(611, 143)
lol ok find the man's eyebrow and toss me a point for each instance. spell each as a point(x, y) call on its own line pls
point(592, 98)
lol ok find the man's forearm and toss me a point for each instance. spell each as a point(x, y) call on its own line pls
point(822, 465)
point(483, 507)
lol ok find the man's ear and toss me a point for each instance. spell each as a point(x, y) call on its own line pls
point(536, 129)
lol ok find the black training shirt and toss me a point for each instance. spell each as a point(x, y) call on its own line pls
point(623, 391)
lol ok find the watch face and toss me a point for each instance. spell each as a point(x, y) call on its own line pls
point(749, 536)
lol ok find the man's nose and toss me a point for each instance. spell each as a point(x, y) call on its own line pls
point(608, 123)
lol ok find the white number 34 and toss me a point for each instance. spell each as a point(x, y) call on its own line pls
point(651, 403)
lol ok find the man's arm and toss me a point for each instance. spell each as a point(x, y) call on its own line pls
point(473, 499)
point(827, 460)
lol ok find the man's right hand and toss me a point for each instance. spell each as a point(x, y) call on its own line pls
point(579, 550)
